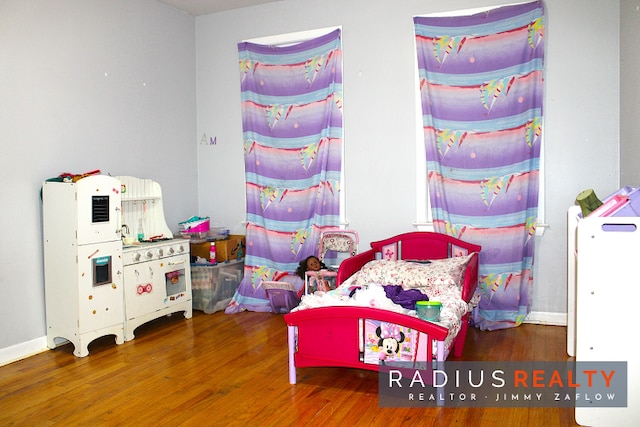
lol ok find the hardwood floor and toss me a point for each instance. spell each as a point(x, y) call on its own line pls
point(220, 369)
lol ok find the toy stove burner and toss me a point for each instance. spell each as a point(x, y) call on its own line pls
point(154, 250)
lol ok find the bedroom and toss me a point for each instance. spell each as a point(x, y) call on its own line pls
point(128, 87)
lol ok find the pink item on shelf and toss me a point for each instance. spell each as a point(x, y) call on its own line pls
point(195, 225)
point(611, 206)
point(633, 207)
point(212, 253)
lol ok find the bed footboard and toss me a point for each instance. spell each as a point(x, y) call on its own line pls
point(334, 336)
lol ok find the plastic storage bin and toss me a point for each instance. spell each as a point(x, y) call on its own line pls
point(213, 286)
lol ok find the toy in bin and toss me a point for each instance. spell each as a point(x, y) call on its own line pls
point(195, 224)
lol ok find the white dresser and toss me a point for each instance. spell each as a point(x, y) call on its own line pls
point(603, 283)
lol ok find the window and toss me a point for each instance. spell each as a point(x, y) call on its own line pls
point(297, 37)
point(424, 220)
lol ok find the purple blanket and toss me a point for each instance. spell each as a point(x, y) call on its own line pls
point(406, 298)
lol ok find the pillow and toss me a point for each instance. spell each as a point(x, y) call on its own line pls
point(447, 272)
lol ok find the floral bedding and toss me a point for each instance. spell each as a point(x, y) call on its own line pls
point(440, 280)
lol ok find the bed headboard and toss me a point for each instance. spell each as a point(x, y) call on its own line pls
point(422, 245)
point(418, 245)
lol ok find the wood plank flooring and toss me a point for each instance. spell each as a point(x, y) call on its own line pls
point(219, 369)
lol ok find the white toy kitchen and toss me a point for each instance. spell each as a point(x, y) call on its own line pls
point(111, 262)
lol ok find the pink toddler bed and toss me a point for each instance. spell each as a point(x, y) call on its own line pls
point(358, 326)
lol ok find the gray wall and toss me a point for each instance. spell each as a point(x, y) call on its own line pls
point(581, 113)
point(629, 96)
point(131, 86)
point(84, 85)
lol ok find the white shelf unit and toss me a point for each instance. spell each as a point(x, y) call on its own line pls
point(572, 225)
point(602, 283)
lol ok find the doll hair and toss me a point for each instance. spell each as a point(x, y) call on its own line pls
point(302, 266)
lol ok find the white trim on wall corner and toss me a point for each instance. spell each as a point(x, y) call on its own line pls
point(22, 350)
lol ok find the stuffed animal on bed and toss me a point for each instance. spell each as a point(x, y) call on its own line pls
point(390, 338)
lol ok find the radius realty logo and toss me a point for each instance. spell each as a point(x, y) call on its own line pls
point(504, 384)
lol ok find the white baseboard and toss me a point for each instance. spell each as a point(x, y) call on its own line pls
point(38, 345)
point(547, 318)
point(22, 350)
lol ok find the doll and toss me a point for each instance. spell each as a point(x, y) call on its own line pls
point(312, 263)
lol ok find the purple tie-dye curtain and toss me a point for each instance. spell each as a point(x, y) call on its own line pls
point(481, 79)
point(292, 131)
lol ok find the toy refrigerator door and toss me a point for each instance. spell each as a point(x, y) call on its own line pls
point(101, 287)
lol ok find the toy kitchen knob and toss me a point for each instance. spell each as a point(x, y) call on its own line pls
point(160, 252)
point(181, 249)
point(136, 257)
point(149, 254)
point(171, 251)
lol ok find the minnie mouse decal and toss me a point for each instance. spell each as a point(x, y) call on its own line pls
point(389, 340)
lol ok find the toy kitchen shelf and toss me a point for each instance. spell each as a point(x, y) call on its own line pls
point(602, 280)
point(213, 285)
point(142, 205)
